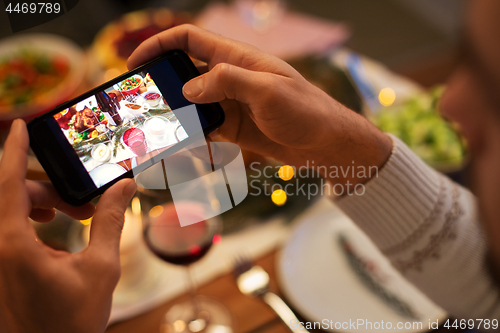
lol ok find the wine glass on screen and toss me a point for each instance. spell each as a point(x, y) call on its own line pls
point(181, 232)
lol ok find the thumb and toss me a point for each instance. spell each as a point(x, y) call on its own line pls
point(107, 223)
point(226, 81)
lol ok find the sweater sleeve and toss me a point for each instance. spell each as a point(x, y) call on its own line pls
point(429, 228)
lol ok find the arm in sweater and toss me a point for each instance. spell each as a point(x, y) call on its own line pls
point(429, 228)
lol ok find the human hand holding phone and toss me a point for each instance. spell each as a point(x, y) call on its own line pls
point(42, 289)
point(270, 108)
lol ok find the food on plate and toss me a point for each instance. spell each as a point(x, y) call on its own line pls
point(130, 83)
point(63, 118)
point(117, 40)
point(133, 106)
point(148, 81)
point(28, 74)
point(85, 120)
point(418, 123)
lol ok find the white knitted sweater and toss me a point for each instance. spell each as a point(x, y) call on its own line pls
point(428, 226)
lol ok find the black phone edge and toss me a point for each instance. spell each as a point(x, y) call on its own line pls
point(130, 173)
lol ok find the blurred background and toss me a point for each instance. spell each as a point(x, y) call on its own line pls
point(386, 59)
point(406, 35)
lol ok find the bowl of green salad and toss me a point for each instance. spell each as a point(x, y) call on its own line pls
point(418, 123)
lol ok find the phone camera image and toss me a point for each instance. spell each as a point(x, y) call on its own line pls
point(120, 127)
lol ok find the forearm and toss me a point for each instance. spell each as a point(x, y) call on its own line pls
point(428, 227)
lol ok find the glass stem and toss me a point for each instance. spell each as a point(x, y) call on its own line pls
point(192, 291)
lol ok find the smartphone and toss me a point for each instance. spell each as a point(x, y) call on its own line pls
point(120, 128)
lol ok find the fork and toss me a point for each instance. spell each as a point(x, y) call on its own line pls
point(253, 280)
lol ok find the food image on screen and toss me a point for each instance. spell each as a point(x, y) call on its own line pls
point(117, 129)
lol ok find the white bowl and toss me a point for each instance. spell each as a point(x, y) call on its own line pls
point(101, 153)
point(152, 102)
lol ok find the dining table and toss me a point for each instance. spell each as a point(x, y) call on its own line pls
point(250, 315)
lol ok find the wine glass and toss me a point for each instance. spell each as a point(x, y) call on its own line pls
point(183, 245)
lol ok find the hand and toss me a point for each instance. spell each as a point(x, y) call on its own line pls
point(270, 108)
point(45, 290)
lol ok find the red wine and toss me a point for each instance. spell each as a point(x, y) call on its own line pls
point(175, 244)
point(188, 257)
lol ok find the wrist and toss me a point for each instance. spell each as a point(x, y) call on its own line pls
point(356, 155)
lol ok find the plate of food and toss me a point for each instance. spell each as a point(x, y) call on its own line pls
point(419, 124)
point(131, 85)
point(37, 72)
point(118, 39)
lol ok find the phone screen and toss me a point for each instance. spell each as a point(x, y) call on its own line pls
point(126, 124)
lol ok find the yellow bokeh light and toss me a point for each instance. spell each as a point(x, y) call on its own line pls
point(286, 172)
point(278, 197)
point(136, 206)
point(387, 96)
point(86, 222)
point(156, 211)
point(179, 326)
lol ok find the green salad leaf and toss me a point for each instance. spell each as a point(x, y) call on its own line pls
point(418, 123)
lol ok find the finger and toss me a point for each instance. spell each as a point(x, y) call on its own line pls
point(108, 219)
point(42, 215)
point(44, 197)
point(176, 38)
point(14, 163)
point(208, 47)
point(14, 201)
point(226, 81)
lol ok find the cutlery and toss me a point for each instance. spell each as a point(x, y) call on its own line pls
point(253, 280)
point(368, 273)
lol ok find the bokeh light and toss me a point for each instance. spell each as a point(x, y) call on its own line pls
point(387, 96)
point(136, 206)
point(156, 211)
point(286, 172)
point(278, 197)
point(217, 239)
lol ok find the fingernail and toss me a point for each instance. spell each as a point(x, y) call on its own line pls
point(129, 190)
point(194, 87)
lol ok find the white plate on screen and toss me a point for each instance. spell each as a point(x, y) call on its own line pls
point(105, 173)
point(318, 281)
